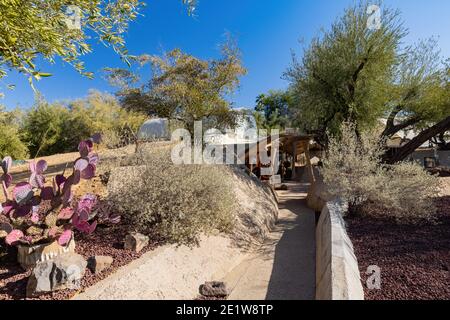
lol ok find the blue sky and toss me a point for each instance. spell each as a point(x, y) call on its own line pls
point(267, 31)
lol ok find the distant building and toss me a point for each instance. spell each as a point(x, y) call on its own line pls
point(426, 155)
point(154, 129)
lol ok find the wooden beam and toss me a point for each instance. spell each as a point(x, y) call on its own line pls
point(312, 179)
point(310, 170)
point(294, 154)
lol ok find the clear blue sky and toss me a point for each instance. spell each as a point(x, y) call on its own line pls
point(267, 31)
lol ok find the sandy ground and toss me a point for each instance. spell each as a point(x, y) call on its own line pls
point(169, 272)
point(282, 268)
point(60, 163)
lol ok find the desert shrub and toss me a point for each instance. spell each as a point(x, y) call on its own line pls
point(44, 128)
point(10, 142)
point(56, 128)
point(178, 203)
point(352, 170)
point(102, 113)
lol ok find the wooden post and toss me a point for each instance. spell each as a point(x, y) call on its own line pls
point(312, 179)
point(294, 158)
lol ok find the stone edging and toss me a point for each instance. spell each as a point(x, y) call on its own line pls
point(337, 272)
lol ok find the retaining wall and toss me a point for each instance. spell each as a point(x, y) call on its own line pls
point(337, 273)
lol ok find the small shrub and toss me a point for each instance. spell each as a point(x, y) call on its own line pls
point(56, 128)
point(45, 129)
point(352, 170)
point(178, 203)
point(10, 142)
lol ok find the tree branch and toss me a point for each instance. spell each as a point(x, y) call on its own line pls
point(426, 135)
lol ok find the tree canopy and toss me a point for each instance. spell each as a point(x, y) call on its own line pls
point(273, 109)
point(353, 73)
point(185, 88)
point(32, 29)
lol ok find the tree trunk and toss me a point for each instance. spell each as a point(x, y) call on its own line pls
point(426, 135)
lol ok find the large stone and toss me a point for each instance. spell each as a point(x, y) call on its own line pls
point(135, 241)
point(99, 263)
point(29, 255)
point(214, 289)
point(63, 272)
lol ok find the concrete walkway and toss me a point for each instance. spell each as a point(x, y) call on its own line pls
point(284, 267)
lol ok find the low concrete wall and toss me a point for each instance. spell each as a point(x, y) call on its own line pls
point(337, 273)
point(317, 194)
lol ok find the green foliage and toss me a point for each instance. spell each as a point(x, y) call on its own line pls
point(274, 110)
point(178, 203)
point(352, 170)
point(31, 28)
point(56, 128)
point(10, 143)
point(43, 128)
point(352, 73)
point(102, 113)
point(185, 88)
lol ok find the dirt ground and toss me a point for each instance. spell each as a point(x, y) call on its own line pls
point(257, 214)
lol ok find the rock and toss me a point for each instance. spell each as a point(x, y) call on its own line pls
point(29, 255)
point(99, 263)
point(34, 231)
point(214, 289)
point(51, 219)
point(136, 241)
point(64, 272)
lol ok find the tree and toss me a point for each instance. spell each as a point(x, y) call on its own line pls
point(273, 109)
point(352, 73)
point(43, 128)
point(30, 29)
point(57, 128)
point(186, 88)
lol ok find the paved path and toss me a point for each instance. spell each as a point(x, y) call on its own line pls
point(284, 267)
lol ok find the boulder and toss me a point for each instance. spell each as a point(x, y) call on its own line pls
point(136, 241)
point(99, 263)
point(214, 289)
point(63, 272)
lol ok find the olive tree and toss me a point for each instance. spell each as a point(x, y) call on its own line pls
point(185, 88)
point(32, 29)
point(359, 74)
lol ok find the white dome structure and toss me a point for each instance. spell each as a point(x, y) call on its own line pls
point(154, 129)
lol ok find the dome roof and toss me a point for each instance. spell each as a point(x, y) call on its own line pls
point(155, 129)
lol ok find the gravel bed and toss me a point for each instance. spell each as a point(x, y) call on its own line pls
point(414, 259)
point(107, 241)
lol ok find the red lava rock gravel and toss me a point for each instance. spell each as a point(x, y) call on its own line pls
point(414, 260)
point(106, 241)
